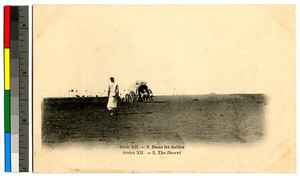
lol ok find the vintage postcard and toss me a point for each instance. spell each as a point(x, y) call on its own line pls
point(164, 88)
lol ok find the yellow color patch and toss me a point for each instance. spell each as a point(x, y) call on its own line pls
point(7, 69)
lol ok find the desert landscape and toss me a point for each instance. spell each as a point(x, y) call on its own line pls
point(178, 119)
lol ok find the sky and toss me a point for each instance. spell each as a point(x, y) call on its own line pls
point(175, 49)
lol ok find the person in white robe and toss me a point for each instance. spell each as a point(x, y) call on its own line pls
point(113, 93)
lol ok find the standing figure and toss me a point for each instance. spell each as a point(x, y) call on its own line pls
point(144, 95)
point(127, 98)
point(150, 95)
point(113, 94)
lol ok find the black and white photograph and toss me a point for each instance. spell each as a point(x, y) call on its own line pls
point(139, 116)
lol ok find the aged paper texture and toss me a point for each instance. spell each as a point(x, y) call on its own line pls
point(218, 58)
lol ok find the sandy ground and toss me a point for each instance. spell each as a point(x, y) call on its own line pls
point(169, 119)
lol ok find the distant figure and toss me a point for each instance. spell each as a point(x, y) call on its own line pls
point(113, 94)
point(132, 97)
point(150, 95)
point(138, 94)
point(144, 95)
point(127, 98)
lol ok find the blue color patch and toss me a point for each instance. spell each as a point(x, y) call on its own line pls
point(7, 151)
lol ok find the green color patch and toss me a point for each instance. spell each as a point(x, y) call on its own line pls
point(7, 111)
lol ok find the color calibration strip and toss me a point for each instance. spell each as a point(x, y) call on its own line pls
point(16, 111)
